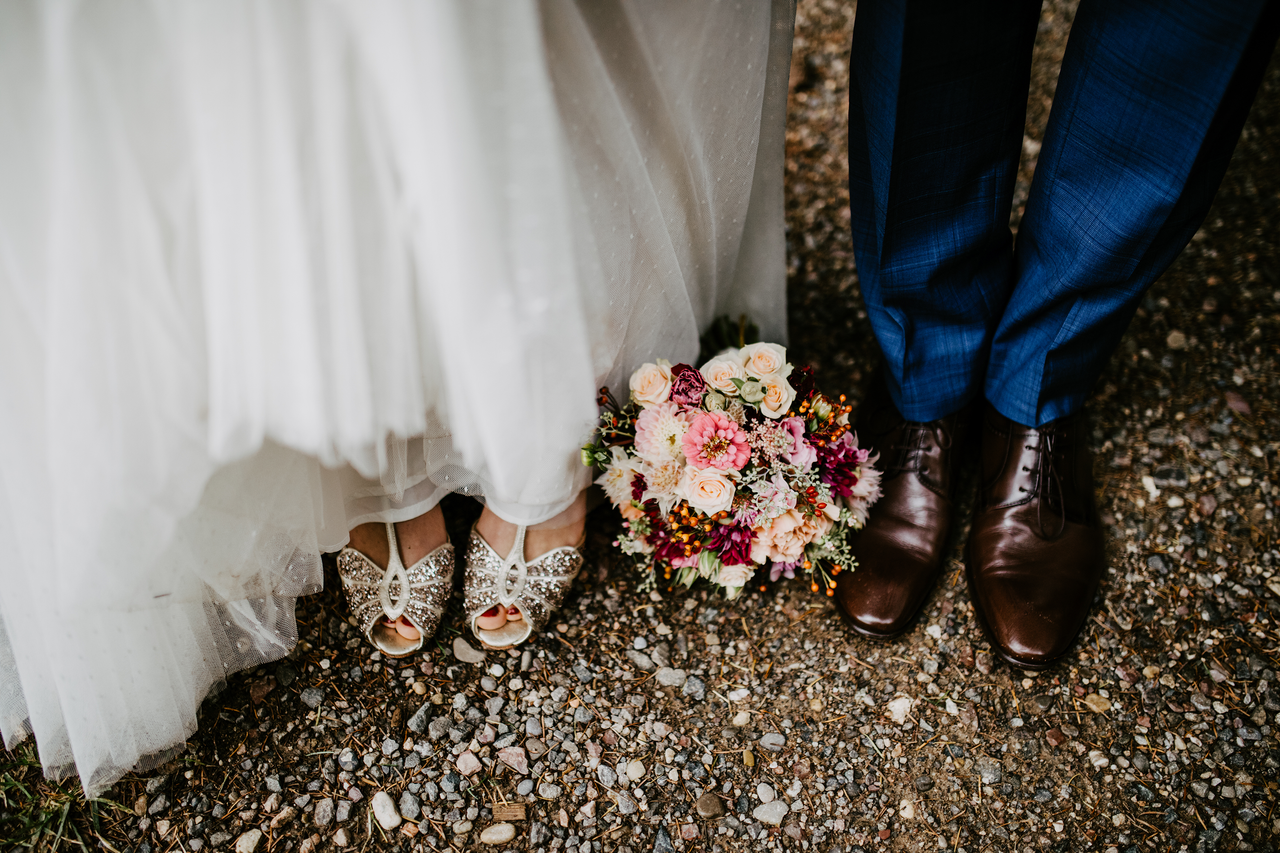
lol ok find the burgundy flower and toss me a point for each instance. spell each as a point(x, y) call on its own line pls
point(838, 464)
point(687, 385)
point(801, 379)
point(638, 486)
point(733, 543)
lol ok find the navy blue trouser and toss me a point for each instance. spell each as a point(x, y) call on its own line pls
point(1150, 102)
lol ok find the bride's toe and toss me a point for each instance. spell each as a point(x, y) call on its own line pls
point(492, 619)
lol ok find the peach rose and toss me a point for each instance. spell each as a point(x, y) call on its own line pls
point(651, 383)
point(778, 396)
point(784, 540)
point(722, 370)
point(630, 511)
point(761, 360)
point(707, 490)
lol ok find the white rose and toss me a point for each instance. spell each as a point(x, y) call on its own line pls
point(736, 575)
point(778, 396)
point(707, 490)
point(761, 360)
point(651, 383)
point(722, 370)
point(753, 391)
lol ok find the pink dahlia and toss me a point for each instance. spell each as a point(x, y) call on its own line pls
point(715, 441)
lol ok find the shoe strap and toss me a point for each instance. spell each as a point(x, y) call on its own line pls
point(514, 560)
point(395, 571)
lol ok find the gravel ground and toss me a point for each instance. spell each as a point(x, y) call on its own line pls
point(649, 722)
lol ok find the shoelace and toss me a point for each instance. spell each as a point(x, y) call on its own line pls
point(1046, 472)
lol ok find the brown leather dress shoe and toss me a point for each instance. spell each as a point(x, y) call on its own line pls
point(900, 550)
point(1036, 547)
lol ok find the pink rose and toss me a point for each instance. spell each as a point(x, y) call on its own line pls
point(715, 441)
point(784, 540)
point(802, 455)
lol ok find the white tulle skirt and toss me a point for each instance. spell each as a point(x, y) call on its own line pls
point(272, 269)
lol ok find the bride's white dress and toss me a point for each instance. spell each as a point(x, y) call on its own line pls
point(272, 269)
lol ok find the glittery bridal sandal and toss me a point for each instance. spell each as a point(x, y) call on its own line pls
point(516, 594)
point(398, 609)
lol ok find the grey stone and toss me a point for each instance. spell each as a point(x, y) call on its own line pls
point(312, 697)
point(642, 662)
point(773, 741)
point(669, 677)
point(347, 759)
point(410, 806)
point(607, 776)
point(662, 843)
point(343, 811)
point(248, 842)
point(990, 771)
point(322, 816)
point(626, 805)
point(695, 688)
point(273, 784)
point(525, 788)
point(548, 791)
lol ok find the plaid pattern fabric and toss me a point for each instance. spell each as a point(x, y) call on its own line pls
point(1149, 105)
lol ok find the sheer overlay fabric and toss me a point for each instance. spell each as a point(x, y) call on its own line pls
point(271, 270)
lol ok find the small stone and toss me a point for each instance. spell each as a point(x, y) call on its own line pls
point(771, 813)
point(907, 810)
point(773, 741)
point(742, 718)
point(1176, 340)
point(668, 677)
point(463, 651)
point(635, 771)
point(1098, 758)
point(514, 757)
point(287, 814)
point(709, 806)
point(498, 833)
point(410, 806)
point(323, 814)
point(899, 708)
point(525, 788)
point(273, 784)
point(924, 783)
point(348, 760)
point(662, 842)
point(1055, 737)
point(1097, 704)
point(607, 776)
point(982, 661)
point(468, 764)
point(695, 688)
point(689, 831)
point(461, 827)
point(341, 839)
point(385, 810)
point(765, 793)
point(548, 791)
point(343, 811)
point(312, 697)
point(248, 842)
point(533, 727)
point(641, 661)
point(989, 770)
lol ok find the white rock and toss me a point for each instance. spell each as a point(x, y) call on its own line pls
point(771, 813)
point(635, 771)
point(765, 793)
point(899, 708)
point(668, 677)
point(248, 842)
point(907, 810)
point(741, 718)
point(499, 833)
point(385, 811)
point(463, 651)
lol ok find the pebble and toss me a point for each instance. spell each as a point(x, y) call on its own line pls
point(771, 813)
point(626, 803)
point(1097, 704)
point(662, 841)
point(468, 764)
point(668, 677)
point(514, 757)
point(607, 776)
point(384, 810)
point(465, 652)
point(773, 741)
point(312, 697)
point(765, 793)
point(248, 842)
point(525, 788)
point(322, 815)
point(695, 688)
point(635, 771)
point(498, 833)
point(709, 806)
point(924, 783)
point(989, 770)
point(410, 806)
point(461, 827)
point(341, 838)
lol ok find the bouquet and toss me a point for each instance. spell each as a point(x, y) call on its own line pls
point(732, 468)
